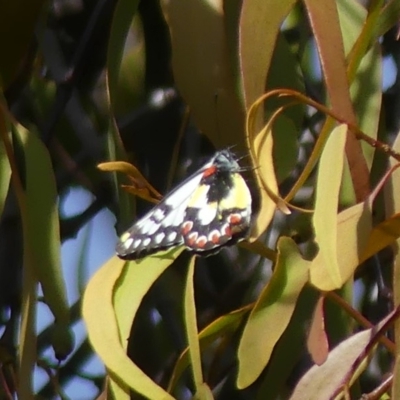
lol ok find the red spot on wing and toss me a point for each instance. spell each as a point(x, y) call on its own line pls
point(191, 239)
point(215, 236)
point(201, 241)
point(235, 219)
point(186, 227)
point(226, 230)
point(209, 171)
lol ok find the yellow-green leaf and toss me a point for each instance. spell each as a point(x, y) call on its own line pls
point(42, 217)
point(328, 380)
point(213, 97)
point(381, 236)
point(272, 312)
point(396, 379)
point(5, 169)
point(191, 328)
point(260, 24)
point(222, 326)
point(110, 290)
point(326, 205)
point(353, 227)
point(366, 88)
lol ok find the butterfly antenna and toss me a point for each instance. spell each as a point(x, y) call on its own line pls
point(252, 168)
point(243, 157)
point(245, 169)
point(231, 146)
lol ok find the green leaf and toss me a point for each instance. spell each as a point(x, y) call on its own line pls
point(324, 20)
point(345, 362)
point(122, 21)
point(289, 349)
point(43, 231)
point(352, 233)
point(272, 312)
point(396, 379)
point(285, 72)
point(260, 25)
point(203, 393)
point(5, 169)
point(191, 328)
point(204, 68)
point(114, 286)
point(366, 88)
point(326, 205)
point(222, 326)
point(27, 335)
point(388, 18)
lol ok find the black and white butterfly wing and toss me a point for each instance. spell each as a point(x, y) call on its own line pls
point(160, 228)
point(219, 211)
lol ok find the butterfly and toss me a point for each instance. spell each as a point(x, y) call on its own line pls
point(208, 210)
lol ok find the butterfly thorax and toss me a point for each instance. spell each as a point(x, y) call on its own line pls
point(219, 183)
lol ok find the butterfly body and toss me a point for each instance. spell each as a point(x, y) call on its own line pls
point(210, 209)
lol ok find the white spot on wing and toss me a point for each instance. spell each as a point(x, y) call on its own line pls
point(141, 223)
point(206, 214)
point(154, 228)
point(158, 214)
point(175, 217)
point(159, 237)
point(184, 191)
point(148, 227)
point(146, 242)
point(171, 236)
point(127, 243)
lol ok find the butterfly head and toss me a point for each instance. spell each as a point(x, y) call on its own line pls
point(225, 161)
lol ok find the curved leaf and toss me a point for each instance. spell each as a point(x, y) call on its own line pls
point(272, 312)
point(345, 362)
point(110, 290)
point(324, 21)
point(222, 326)
point(204, 68)
point(326, 205)
point(392, 206)
point(42, 209)
point(5, 169)
point(366, 88)
point(191, 328)
point(260, 24)
point(289, 349)
point(122, 21)
point(317, 341)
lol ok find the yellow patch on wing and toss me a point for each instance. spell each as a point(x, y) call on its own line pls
point(199, 197)
point(239, 196)
point(125, 236)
